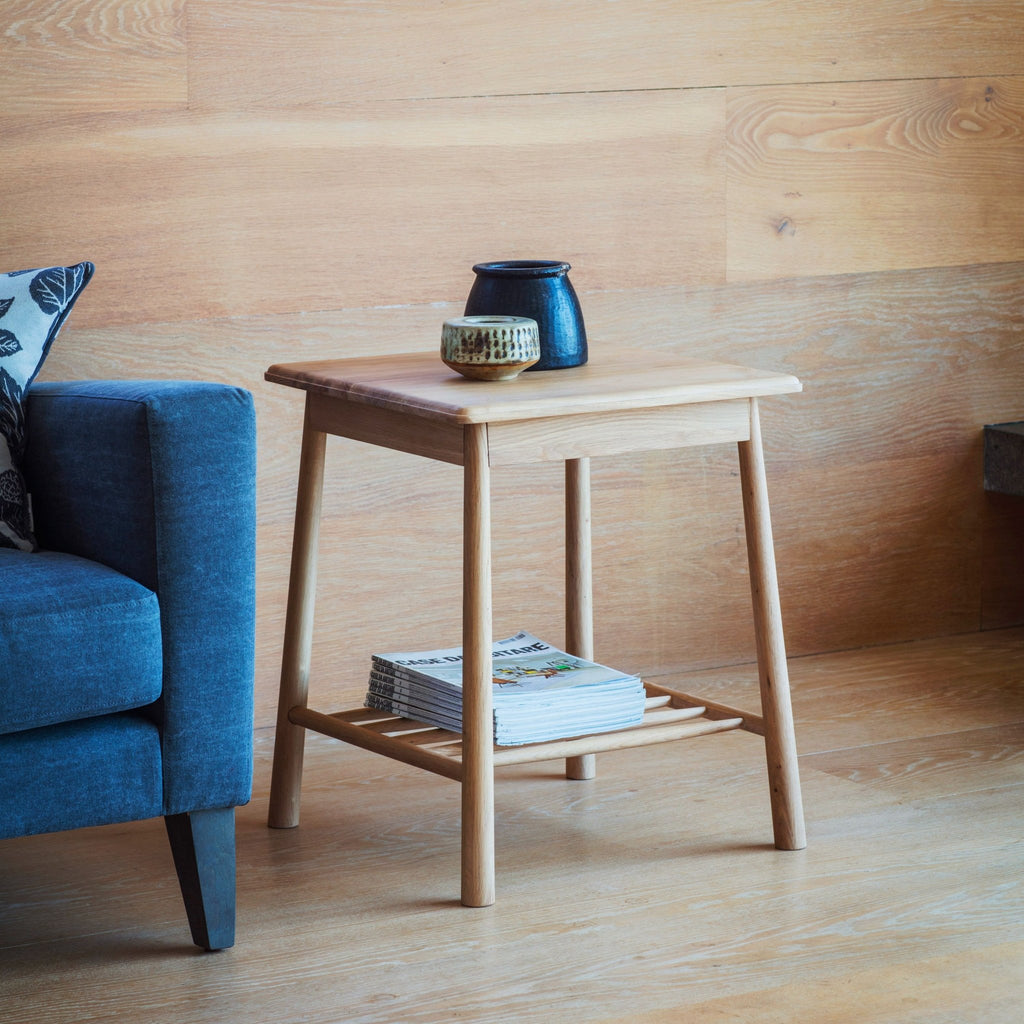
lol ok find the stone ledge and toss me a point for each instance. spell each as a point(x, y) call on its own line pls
point(1004, 458)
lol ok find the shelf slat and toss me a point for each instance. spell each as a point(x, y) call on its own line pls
point(712, 709)
point(637, 736)
point(394, 747)
point(668, 715)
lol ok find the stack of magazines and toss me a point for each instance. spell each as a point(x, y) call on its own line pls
point(539, 692)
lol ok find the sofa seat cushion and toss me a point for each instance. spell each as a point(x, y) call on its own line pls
point(77, 640)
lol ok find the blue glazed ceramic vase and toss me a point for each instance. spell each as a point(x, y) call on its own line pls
point(542, 291)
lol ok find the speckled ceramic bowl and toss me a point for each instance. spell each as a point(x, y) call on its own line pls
point(490, 347)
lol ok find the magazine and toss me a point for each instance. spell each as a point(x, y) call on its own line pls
point(539, 691)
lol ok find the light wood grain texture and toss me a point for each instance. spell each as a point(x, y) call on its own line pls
point(85, 56)
point(411, 389)
point(882, 530)
point(854, 177)
point(305, 207)
point(397, 742)
point(651, 733)
point(419, 386)
point(773, 673)
point(934, 766)
point(708, 708)
point(906, 908)
point(478, 885)
point(905, 693)
point(441, 751)
point(928, 990)
point(298, 638)
point(190, 216)
point(300, 210)
point(431, 439)
point(595, 434)
point(245, 53)
point(579, 584)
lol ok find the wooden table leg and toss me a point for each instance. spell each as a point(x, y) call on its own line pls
point(289, 740)
point(780, 736)
point(477, 695)
point(579, 591)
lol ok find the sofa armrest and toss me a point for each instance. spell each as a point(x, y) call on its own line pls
point(157, 480)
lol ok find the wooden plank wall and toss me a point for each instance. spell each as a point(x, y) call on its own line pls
point(830, 189)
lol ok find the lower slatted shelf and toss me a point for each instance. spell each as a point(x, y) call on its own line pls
point(668, 715)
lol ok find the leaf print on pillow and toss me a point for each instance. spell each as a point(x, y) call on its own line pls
point(12, 415)
point(16, 531)
point(9, 344)
point(33, 306)
point(54, 288)
point(10, 391)
point(11, 486)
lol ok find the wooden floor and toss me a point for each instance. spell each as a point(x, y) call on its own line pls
point(650, 894)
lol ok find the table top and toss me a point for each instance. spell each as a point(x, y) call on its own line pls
point(616, 378)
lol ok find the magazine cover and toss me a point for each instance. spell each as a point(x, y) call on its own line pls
point(539, 691)
point(521, 664)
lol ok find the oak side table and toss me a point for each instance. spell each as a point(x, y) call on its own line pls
point(624, 400)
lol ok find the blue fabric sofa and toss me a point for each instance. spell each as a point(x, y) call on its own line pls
point(127, 639)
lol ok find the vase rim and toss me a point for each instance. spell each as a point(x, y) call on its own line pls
point(524, 268)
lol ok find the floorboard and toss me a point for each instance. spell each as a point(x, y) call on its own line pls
point(649, 895)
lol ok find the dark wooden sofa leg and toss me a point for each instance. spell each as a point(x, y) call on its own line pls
point(203, 845)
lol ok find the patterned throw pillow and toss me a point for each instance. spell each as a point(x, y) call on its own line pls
point(33, 306)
